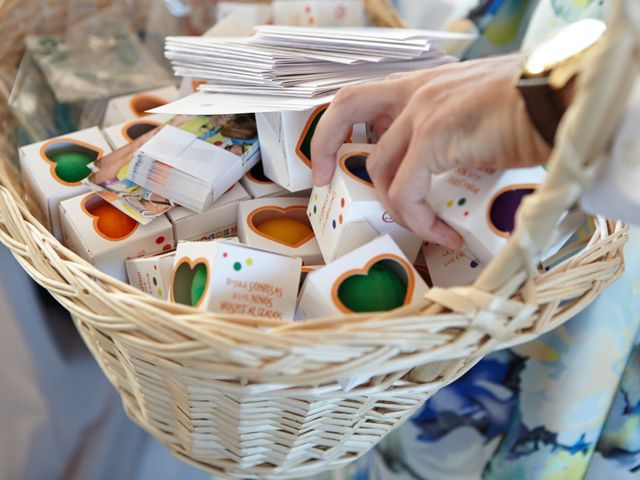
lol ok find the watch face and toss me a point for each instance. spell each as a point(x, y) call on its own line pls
point(564, 44)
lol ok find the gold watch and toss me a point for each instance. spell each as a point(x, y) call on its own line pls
point(549, 67)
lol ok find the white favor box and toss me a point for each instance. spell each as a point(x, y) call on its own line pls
point(320, 295)
point(347, 213)
point(124, 133)
point(259, 186)
point(87, 233)
point(251, 13)
point(319, 13)
point(285, 144)
point(151, 274)
point(450, 268)
point(219, 221)
point(46, 183)
point(237, 279)
point(480, 204)
point(253, 213)
point(132, 106)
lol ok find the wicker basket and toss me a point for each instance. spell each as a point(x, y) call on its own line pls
point(230, 396)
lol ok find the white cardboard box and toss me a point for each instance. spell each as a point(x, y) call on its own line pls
point(124, 133)
point(259, 185)
point(254, 213)
point(226, 277)
point(322, 293)
point(47, 179)
point(480, 204)
point(347, 213)
point(218, 221)
point(106, 237)
point(151, 274)
point(285, 143)
point(450, 268)
point(319, 13)
point(129, 107)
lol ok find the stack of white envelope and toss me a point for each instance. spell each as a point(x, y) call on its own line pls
point(295, 68)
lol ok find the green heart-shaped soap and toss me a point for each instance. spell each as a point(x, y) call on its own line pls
point(189, 283)
point(71, 160)
point(381, 289)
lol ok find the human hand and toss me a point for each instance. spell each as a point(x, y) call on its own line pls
point(463, 114)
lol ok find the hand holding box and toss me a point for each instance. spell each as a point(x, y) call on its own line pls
point(347, 213)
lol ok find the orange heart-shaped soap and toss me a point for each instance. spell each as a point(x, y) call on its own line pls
point(108, 222)
point(288, 226)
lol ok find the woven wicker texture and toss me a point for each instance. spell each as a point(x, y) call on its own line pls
point(248, 397)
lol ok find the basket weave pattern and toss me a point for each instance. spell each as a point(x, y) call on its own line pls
point(244, 396)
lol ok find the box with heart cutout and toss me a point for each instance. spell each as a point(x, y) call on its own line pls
point(347, 213)
point(279, 225)
point(481, 204)
point(285, 142)
point(151, 274)
point(259, 185)
point(226, 277)
point(104, 236)
point(218, 221)
point(373, 278)
point(450, 268)
point(133, 106)
point(126, 132)
point(53, 170)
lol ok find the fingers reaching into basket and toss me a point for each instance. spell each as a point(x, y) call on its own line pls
point(464, 114)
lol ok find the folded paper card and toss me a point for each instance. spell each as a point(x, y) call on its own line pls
point(196, 162)
point(347, 213)
point(53, 170)
point(226, 277)
point(450, 268)
point(259, 185)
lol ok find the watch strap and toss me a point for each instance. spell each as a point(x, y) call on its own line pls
point(544, 106)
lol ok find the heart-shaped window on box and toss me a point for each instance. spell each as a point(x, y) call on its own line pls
point(134, 130)
point(108, 222)
point(256, 175)
point(288, 226)
point(385, 283)
point(503, 207)
point(69, 160)
point(354, 164)
point(142, 102)
point(303, 147)
point(190, 281)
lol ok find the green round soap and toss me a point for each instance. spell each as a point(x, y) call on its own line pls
point(72, 166)
point(198, 284)
point(380, 290)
